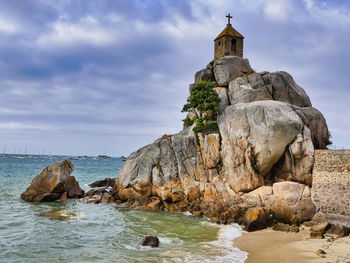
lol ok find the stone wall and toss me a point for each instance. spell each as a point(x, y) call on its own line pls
point(331, 184)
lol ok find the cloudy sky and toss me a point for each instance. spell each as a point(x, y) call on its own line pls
point(109, 76)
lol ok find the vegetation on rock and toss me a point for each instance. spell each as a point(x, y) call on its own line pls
point(204, 104)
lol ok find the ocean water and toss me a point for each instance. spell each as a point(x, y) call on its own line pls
point(102, 232)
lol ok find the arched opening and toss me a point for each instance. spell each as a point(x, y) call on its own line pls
point(233, 45)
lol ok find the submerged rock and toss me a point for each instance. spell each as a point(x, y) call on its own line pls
point(61, 214)
point(151, 241)
point(52, 182)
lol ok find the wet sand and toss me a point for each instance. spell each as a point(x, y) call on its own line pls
point(268, 246)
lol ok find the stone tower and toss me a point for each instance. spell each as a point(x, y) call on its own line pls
point(229, 42)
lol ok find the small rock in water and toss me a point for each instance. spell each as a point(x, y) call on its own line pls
point(151, 241)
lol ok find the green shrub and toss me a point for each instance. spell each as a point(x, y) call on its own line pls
point(188, 122)
point(205, 102)
point(203, 98)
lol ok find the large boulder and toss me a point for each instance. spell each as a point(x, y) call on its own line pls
point(254, 137)
point(52, 182)
point(228, 68)
point(268, 86)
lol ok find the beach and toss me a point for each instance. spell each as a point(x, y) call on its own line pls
point(268, 246)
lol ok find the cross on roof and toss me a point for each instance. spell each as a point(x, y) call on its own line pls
point(229, 17)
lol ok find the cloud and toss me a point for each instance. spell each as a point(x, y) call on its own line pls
point(7, 27)
point(87, 30)
point(113, 75)
point(22, 126)
point(278, 10)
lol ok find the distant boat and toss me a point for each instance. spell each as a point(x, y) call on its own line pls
point(102, 156)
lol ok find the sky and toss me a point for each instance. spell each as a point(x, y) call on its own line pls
point(89, 77)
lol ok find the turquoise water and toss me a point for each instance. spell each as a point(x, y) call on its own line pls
point(99, 233)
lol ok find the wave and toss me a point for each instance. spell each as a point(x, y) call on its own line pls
point(221, 250)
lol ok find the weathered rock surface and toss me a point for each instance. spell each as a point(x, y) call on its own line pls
point(278, 86)
point(52, 182)
point(228, 68)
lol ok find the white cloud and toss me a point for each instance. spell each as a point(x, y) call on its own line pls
point(278, 10)
point(7, 27)
point(23, 126)
point(87, 30)
point(328, 16)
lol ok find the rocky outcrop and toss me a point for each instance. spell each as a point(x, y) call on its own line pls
point(52, 182)
point(259, 160)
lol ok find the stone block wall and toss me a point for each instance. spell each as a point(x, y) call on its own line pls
point(331, 183)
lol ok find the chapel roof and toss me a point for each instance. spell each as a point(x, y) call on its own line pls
point(229, 31)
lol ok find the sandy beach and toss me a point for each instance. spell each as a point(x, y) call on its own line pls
point(268, 246)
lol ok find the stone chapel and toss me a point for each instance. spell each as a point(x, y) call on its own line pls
point(229, 42)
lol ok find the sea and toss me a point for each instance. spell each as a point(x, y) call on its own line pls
point(99, 232)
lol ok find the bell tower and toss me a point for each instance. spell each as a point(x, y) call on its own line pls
point(229, 42)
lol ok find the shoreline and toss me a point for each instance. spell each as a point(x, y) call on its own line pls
point(269, 246)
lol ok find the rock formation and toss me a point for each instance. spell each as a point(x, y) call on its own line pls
point(52, 183)
point(261, 157)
